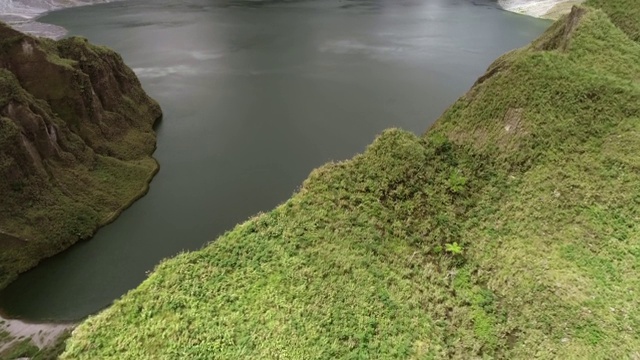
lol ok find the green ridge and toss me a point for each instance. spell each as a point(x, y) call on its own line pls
point(623, 13)
point(509, 230)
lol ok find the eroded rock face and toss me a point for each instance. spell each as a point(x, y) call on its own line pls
point(73, 117)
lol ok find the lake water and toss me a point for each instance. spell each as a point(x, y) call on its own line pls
point(255, 95)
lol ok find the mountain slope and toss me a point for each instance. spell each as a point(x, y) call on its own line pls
point(75, 143)
point(623, 13)
point(509, 230)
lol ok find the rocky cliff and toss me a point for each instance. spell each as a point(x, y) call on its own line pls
point(75, 143)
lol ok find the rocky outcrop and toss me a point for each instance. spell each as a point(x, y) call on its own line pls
point(75, 143)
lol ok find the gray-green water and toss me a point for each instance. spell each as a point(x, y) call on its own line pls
point(255, 95)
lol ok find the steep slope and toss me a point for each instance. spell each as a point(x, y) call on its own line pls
point(75, 143)
point(623, 13)
point(509, 230)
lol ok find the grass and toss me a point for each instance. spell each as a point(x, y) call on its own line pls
point(75, 143)
point(54, 351)
point(20, 350)
point(55, 220)
point(5, 336)
point(533, 176)
point(623, 13)
point(26, 349)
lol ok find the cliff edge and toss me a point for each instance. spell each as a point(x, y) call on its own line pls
point(76, 140)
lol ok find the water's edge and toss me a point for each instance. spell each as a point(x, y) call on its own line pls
point(23, 15)
point(545, 9)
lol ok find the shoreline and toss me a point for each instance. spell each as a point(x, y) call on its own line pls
point(24, 18)
point(42, 335)
point(108, 219)
point(543, 9)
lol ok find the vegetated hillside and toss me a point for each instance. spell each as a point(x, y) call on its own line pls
point(623, 13)
point(510, 230)
point(75, 143)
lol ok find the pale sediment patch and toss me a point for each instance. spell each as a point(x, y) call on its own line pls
point(548, 9)
point(42, 335)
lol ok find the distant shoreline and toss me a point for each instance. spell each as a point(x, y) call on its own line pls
point(24, 18)
point(545, 9)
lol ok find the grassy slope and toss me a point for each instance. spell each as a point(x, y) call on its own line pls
point(623, 13)
point(82, 199)
point(535, 173)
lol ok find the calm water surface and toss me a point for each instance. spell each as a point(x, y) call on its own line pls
point(255, 95)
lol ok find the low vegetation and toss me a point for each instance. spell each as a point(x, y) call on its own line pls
point(509, 230)
point(26, 349)
point(623, 13)
point(20, 350)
